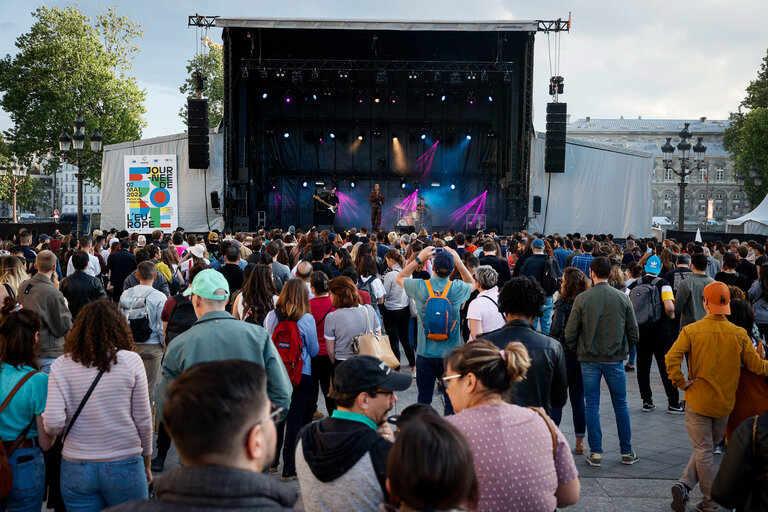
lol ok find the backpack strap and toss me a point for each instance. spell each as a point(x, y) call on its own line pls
point(9, 290)
point(429, 289)
point(551, 427)
point(444, 293)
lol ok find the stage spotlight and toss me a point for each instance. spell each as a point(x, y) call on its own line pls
point(264, 96)
point(269, 131)
point(402, 184)
point(469, 137)
point(377, 96)
point(507, 77)
point(332, 135)
point(413, 75)
point(287, 98)
point(381, 77)
point(343, 73)
point(484, 77)
point(394, 138)
point(471, 76)
point(297, 77)
point(352, 184)
point(490, 98)
point(393, 97)
point(453, 187)
point(263, 73)
point(314, 96)
point(319, 183)
point(429, 93)
point(360, 97)
point(442, 97)
point(471, 98)
point(455, 78)
point(327, 91)
point(286, 135)
point(304, 184)
point(423, 136)
point(360, 137)
point(435, 184)
point(490, 134)
point(437, 76)
point(376, 132)
point(273, 183)
point(244, 72)
point(315, 74)
point(280, 73)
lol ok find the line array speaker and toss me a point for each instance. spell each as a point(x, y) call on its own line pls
point(554, 148)
point(197, 133)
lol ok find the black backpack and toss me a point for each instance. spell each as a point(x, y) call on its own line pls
point(646, 302)
point(548, 277)
point(174, 286)
point(367, 286)
point(182, 317)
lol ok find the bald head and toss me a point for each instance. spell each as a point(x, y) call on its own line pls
point(304, 270)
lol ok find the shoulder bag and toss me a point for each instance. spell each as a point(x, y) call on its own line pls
point(6, 474)
point(377, 345)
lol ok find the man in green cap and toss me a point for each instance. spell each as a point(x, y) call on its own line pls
point(217, 335)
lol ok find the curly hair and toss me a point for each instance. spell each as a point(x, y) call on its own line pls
point(522, 296)
point(574, 282)
point(98, 333)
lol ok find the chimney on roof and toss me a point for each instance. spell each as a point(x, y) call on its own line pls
point(587, 119)
point(703, 118)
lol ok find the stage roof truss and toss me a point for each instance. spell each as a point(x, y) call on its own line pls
point(378, 65)
point(200, 20)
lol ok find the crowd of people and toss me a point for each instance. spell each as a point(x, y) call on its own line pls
point(115, 346)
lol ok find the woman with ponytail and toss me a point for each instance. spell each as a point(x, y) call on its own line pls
point(522, 459)
point(396, 310)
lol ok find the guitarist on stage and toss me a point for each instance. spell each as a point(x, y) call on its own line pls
point(377, 199)
point(333, 200)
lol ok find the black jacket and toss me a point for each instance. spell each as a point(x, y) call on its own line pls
point(560, 313)
point(742, 481)
point(500, 266)
point(120, 264)
point(331, 447)
point(545, 384)
point(79, 289)
point(215, 489)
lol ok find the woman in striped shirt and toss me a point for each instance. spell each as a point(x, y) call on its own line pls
point(107, 448)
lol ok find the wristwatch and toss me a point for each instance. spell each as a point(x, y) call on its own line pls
point(417, 260)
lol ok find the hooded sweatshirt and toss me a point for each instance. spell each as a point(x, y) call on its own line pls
point(341, 465)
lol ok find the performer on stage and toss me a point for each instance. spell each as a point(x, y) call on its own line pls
point(377, 199)
point(422, 214)
point(333, 200)
point(422, 207)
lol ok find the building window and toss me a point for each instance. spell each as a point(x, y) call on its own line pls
point(720, 175)
point(670, 175)
point(702, 175)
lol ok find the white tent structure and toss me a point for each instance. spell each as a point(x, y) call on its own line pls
point(755, 222)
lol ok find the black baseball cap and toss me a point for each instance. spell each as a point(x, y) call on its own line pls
point(364, 373)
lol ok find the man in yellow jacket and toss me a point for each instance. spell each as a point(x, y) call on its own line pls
point(716, 349)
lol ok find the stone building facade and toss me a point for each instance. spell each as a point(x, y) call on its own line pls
point(714, 181)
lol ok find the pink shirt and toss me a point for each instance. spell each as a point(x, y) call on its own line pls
point(116, 422)
point(512, 448)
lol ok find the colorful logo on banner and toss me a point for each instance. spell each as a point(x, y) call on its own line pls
point(150, 193)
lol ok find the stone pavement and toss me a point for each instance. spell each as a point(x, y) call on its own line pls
point(658, 438)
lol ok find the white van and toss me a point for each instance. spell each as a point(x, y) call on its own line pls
point(661, 222)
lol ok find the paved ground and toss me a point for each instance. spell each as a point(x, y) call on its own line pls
point(658, 438)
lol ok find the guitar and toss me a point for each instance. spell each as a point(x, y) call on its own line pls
point(330, 207)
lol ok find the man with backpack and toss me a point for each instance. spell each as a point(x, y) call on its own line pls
point(546, 271)
point(438, 302)
point(654, 304)
point(142, 305)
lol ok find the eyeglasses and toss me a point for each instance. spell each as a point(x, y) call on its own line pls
point(274, 414)
point(375, 392)
point(444, 380)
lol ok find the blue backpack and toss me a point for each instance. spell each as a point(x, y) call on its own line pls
point(438, 316)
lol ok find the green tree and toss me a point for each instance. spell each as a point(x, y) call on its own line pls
point(746, 139)
point(211, 63)
point(68, 64)
point(30, 192)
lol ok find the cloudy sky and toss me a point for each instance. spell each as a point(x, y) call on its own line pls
point(656, 59)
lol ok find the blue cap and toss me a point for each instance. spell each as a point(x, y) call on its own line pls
point(537, 244)
point(653, 265)
point(443, 262)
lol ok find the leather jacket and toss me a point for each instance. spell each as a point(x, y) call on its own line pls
point(79, 289)
point(742, 481)
point(545, 385)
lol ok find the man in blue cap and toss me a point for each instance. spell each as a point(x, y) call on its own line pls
point(654, 303)
point(433, 347)
point(217, 335)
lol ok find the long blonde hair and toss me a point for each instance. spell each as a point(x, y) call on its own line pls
point(12, 272)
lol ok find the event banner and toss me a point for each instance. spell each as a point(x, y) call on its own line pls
point(151, 200)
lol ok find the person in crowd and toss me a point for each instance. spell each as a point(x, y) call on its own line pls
point(746, 267)
point(583, 260)
point(159, 282)
point(349, 319)
point(449, 483)
point(218, 335)
point(304, 272)
point(231, 269)
point(25, 241)
point(142, 305)
point(205, 408)
point(280, 271)
point(341, 460)
point(258, 296)
point(656, 336)
point(107, 446)
point(322, 366)
point(79, 288)
point(196, 255)
point(601, 330)
point(170, 259)
point(94, 267)
point(40, 294)
point(120, 263)
point(688, 305)
point(24, 390)
point(483, 314)
point(680, 273)
point(713, 266)
point(534, 267)
point(395, 310)
point(318, 256)
point(155, 257)
point(574, 282)
point(492, 259)
point(545, 383)
point(430, 352)
point(730, 276)
point(752, 391)
point(533, 469)
point(758, 297)
point(369, 281)
point(12, 274)
point(563, 248)
point(715, 350)
point(293, 307)
point(740, 481)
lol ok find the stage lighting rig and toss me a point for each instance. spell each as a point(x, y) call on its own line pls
point(280, 73)
point(315, 75)
point(263, 74)
point(556, 86)
point(244, 71)
point(377, 96)
point(393, 98)
point(507, 77)
point(429, 93)
point(455, 78)
point(296, 77)
point(413, 75)
point(381, 77)
point(471, 98)
point(438, 76)
point(376, 132)
point(484, 77)
point(343, 73)
point(471, 76)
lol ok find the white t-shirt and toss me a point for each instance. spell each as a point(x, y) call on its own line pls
point(93, 268)
point(376, 286)
point(485, 308)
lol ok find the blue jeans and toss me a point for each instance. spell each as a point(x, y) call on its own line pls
point(543, 322)
point(93, 486)
point(615, 378)
point(45, 364)
point(28, 481)
point(428, 370)
point(576, 394)
point(632, 356)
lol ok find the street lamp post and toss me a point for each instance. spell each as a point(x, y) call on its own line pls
point(698, 156)
point(684, 147)
point(77, 141)
point(17, 173)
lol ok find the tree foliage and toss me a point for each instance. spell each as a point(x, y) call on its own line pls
point(746, 139)
point(68, 64)
point(30, 191)
point(211, 63)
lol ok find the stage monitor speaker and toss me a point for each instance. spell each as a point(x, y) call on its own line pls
point(554, 147)
point(215, 203)
point(536, 205)
point(197, 133)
